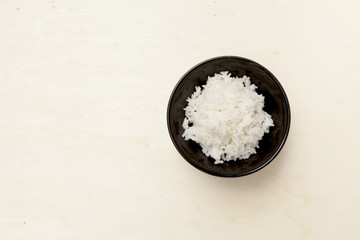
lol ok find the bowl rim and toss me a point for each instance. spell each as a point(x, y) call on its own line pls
point(287, 104)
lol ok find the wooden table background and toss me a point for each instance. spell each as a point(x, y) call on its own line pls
point(84, 147)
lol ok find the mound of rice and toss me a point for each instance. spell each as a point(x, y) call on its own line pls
point(226, 118)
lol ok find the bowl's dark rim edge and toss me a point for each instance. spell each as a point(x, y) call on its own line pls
point(287, 109)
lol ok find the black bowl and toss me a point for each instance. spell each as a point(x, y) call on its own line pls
point(276, 104)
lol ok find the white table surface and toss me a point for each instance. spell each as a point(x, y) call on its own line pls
point(84, 147)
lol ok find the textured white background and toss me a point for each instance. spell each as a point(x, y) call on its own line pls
point(84, 147)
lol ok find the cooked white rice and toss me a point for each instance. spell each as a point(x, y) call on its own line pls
point(226, 118)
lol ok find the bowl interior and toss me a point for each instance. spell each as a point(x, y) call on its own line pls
point(276, 104)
